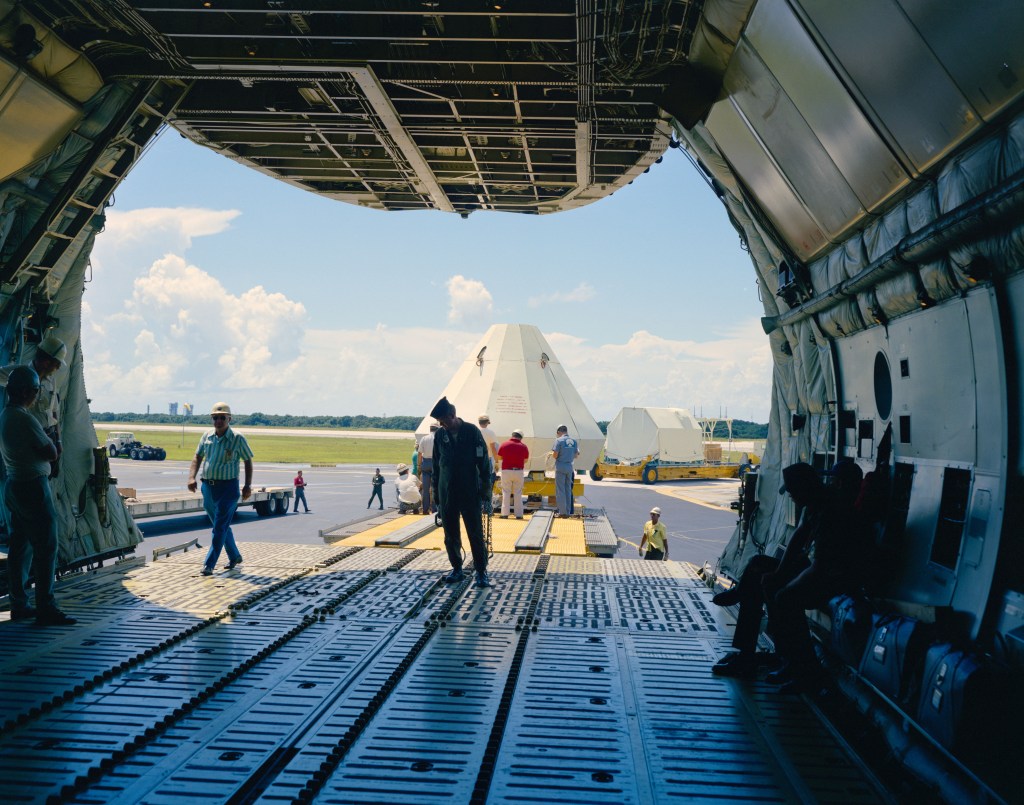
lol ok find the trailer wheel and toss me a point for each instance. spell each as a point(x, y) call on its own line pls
point(281, 505)
point(264, 508)
point(161, 454)
point(650, 475)
point(595, 473)
point(113, 451)
point(134, 454)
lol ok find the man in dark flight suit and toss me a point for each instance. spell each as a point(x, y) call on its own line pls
point(461, 484)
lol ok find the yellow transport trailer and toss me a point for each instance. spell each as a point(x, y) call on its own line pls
point(650, 471)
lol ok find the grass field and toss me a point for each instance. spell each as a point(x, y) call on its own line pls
point(286, 449)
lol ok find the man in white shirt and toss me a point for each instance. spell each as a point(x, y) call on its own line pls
point(407, 491)
point(491, 439)
point(426, 463)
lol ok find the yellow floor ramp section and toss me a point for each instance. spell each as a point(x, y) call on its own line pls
point(566, 537)
point(368, 538)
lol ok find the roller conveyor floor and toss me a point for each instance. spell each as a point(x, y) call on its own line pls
point(342, 674)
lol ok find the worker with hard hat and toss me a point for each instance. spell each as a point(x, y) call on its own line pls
point(218, 453)
point(407, 491)
point(27, 452)
point(654, 537)
point(48, 358)
point(564, 451)
point(491, 439)
point(514, 455)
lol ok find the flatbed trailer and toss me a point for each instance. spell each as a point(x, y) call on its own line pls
point(650, 472)
point(267, 501)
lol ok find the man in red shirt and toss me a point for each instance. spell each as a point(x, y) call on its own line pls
point(514, 455)
point(300, 492)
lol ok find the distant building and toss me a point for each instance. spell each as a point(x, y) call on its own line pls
point(172, 409)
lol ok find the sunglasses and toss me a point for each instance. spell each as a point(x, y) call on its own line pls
point(215, 417)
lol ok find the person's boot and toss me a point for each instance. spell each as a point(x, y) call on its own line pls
point(741, 665)
point(727, 598)
point(54, 617)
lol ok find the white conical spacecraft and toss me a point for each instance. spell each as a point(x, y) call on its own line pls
point(512, 375)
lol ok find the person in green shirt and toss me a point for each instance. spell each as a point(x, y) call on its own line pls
point(654, 537)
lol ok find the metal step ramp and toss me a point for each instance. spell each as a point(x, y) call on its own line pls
point(356, 675)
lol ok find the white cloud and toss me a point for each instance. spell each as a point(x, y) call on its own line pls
point(181, 331)
point(583, 292)
point(176, 226)
point(469, 301)
point(731, 373)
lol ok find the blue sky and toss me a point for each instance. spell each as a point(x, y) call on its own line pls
point(215, 281)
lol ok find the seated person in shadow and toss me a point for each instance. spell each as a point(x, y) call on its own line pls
point(801, 579)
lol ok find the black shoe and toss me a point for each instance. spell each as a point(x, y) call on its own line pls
point(54, 617)
point(739, 665)
point(25, 613)
point(206, 571)
point(727, 598)
point(233, 565)
point(482, 580)
point(454, 577)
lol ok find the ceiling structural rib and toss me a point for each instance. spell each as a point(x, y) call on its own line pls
point(452, 105)
point(386, 113)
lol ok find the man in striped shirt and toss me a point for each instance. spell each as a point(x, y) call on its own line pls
point(219, 452)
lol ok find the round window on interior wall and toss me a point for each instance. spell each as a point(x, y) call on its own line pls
point(883, 386)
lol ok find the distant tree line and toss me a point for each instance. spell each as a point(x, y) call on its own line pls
point(741, 428)
point(357, 422)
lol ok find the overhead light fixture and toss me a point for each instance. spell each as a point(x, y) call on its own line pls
point(495, 93)
point(207, 4)
point(924, 300)
point(251, 50)
point(878, 315)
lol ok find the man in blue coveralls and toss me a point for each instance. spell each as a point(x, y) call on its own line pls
point(219, 452)
point(565, 449)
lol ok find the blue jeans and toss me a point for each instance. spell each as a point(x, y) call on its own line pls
point(33, 531)
point(300, 494)
point(220, 501)
point(563, 490)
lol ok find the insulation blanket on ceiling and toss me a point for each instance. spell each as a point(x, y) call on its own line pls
point(665, 434)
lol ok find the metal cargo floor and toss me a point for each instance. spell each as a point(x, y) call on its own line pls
point(347, 675)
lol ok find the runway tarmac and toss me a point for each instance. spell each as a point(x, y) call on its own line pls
point(696, 514)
